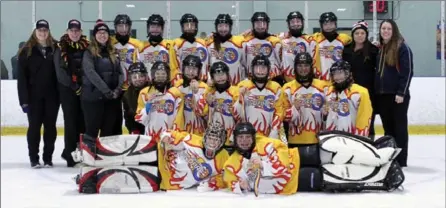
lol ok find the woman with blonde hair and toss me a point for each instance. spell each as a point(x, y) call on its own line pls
point(392, 81)
point(101, 84)
point(38, 95)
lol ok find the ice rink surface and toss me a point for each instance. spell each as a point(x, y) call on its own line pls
point(23, 187)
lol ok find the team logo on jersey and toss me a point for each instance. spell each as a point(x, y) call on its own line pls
point(200, 169)
point(331, 52)
point(188, 102)
point(152, 57)
point(222, 106)
point(126, 55)
point(196, 51)
point(264, 102)
point(298, 47)
point(310, 100)
point(260, 48)
point(340, 107)
point(163, 106)
point(227, 55)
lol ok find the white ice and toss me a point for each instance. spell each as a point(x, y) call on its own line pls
point(23, 187)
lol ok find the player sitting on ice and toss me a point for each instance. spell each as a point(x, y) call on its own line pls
point(159, 104)
point(192, 88)
point(261, 98)
point(264, 165)
point(348, 107)
point(187, 160)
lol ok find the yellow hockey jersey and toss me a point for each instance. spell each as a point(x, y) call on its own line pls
point(279, 171)
point(231, 53)
point(182, 163)
point(271, 47)
point(349, 111)
point(305, 122)
point(263, 108)
point(164, 52)
point(191, 119)
point(326, 53)
point(198, 48)
point(163, 112)
point(291, 46)
point(226, 109)
point(127, 54)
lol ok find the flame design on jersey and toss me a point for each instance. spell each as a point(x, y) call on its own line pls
point(155, 134)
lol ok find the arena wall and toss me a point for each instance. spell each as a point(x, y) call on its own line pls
point(426, 109)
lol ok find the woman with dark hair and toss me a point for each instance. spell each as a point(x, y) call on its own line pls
point(68, 61)
point(392, 81)
point(101, 84)
point(361, 54)
point(38, 95)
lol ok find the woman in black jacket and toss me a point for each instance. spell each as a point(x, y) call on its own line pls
point(361, 54)
point(392, 81)
point(38, 95)
point(101, 86)
point(68, 61)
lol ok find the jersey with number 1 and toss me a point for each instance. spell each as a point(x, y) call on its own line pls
point(127, 54)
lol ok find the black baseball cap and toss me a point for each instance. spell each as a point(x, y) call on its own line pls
point(42, 24)
point(74, 24)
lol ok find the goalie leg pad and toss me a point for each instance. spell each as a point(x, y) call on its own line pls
point(310, 179)
point(351, 177)
point(309, 155)
point(116, 150)
point(119, 179)
point(345, 148)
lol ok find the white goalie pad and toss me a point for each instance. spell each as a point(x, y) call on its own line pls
point(118, 179)
point(116, 150)
point(352, 173)
point(339, 148)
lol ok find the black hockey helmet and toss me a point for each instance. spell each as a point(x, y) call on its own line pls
point(219, 67)
point(327, 17)
point(303, 58)
point(188, 18)
point(295, 14)
point(345, 67)
point(122, 19)
point(192, 60)
point(137, 67)
point(260, 16)
point(223, 18)
point(214, 131)
point(155, 19)
point(244, 128)
point(264, 61)
point(160, 65)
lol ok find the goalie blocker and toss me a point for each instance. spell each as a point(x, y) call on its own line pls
point(117, 164)
point(350, 163)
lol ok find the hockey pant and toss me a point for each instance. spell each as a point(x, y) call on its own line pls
point(117, 164)
point(355, 163)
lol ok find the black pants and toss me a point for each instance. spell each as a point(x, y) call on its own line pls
point(394, 119)
point(73, 120)
point(42, 111)
point(100, 116)
point(117, 129)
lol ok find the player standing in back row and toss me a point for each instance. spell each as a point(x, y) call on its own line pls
point(329, 45)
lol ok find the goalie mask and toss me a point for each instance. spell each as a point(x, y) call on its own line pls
point(261, 67)
point(138, 75)
point(303, 71)
point(220, 76)
point(244, 139)
point(191, 68)
point(214, 139)
point(341, 76)
point(160, 73)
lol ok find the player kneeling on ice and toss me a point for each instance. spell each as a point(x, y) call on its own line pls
point(187, 160)
point(117, 164)
point(354, 163)
point(265, 165)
